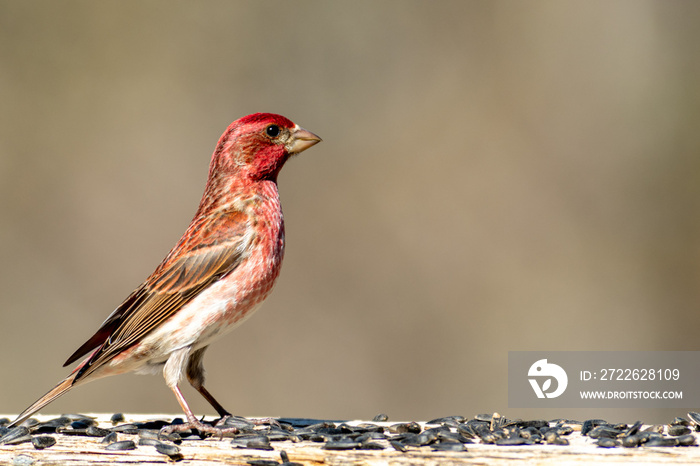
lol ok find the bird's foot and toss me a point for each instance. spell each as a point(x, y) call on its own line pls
point(243, 422)
point(226, 426)
point(203, 428)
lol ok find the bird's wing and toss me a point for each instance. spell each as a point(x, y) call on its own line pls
point(212, 247)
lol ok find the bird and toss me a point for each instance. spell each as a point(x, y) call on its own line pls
point(214, 278)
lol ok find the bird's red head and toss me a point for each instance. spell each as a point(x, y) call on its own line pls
point(255, 147)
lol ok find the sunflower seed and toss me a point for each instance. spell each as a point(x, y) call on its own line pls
point(71, 431)
point(412, 427)
point(123, 445)
point(608, 442)
point(603, 432)
point(94, 431)
point(51, 425)
point(259, 444)
point(633, 429)
point(537, 424)
point(498, 421)
point(678, 430)
point(371, 446)
point(588, 425)
point(170, 450)
point(694, 417)
point(82, 425)
point(279, 435)
point(43, 441)
point(513, 441)
point(447, 420)
point(631, 441)
point(453, 436)
point(155, 424)
point(662, 442)
point(149, 441)
point(110, 438)
point(242, 424)
point(148, 433)
point(647, 436)
point(486, 435)
point(398, 446)
point(13, 434)
point(448, 446)
point(467, 430)
point(551, 436)
point(659, 429)
point(529, 432)
point(174, 437)
point(18, 440)
point(342, 444)
point(131, 429)
point(427, 437)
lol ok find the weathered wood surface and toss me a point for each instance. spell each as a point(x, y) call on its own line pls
point(80, 451)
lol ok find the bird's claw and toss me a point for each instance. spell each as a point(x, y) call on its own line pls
point(202, 428)
point(242, 422)
point(266, 421)
point(221, 428)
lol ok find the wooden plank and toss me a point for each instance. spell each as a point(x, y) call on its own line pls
point(80, 451)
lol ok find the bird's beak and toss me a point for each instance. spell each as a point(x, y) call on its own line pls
point(301, 140)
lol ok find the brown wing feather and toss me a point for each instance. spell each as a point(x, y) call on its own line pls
point(211, 248)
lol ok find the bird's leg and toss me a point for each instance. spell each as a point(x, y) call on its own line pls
point(195, 375)
point(172, 373)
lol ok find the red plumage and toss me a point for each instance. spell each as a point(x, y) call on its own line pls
point(217, 274)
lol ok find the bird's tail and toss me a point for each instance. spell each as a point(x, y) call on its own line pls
point(54, 393)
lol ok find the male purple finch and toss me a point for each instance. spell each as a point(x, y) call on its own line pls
point(214, 278)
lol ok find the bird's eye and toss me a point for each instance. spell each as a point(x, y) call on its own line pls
point(273, 131)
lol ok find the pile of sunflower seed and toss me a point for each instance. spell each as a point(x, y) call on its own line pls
point(453, 433)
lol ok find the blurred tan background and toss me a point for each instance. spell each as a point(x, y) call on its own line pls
point(494, 176)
